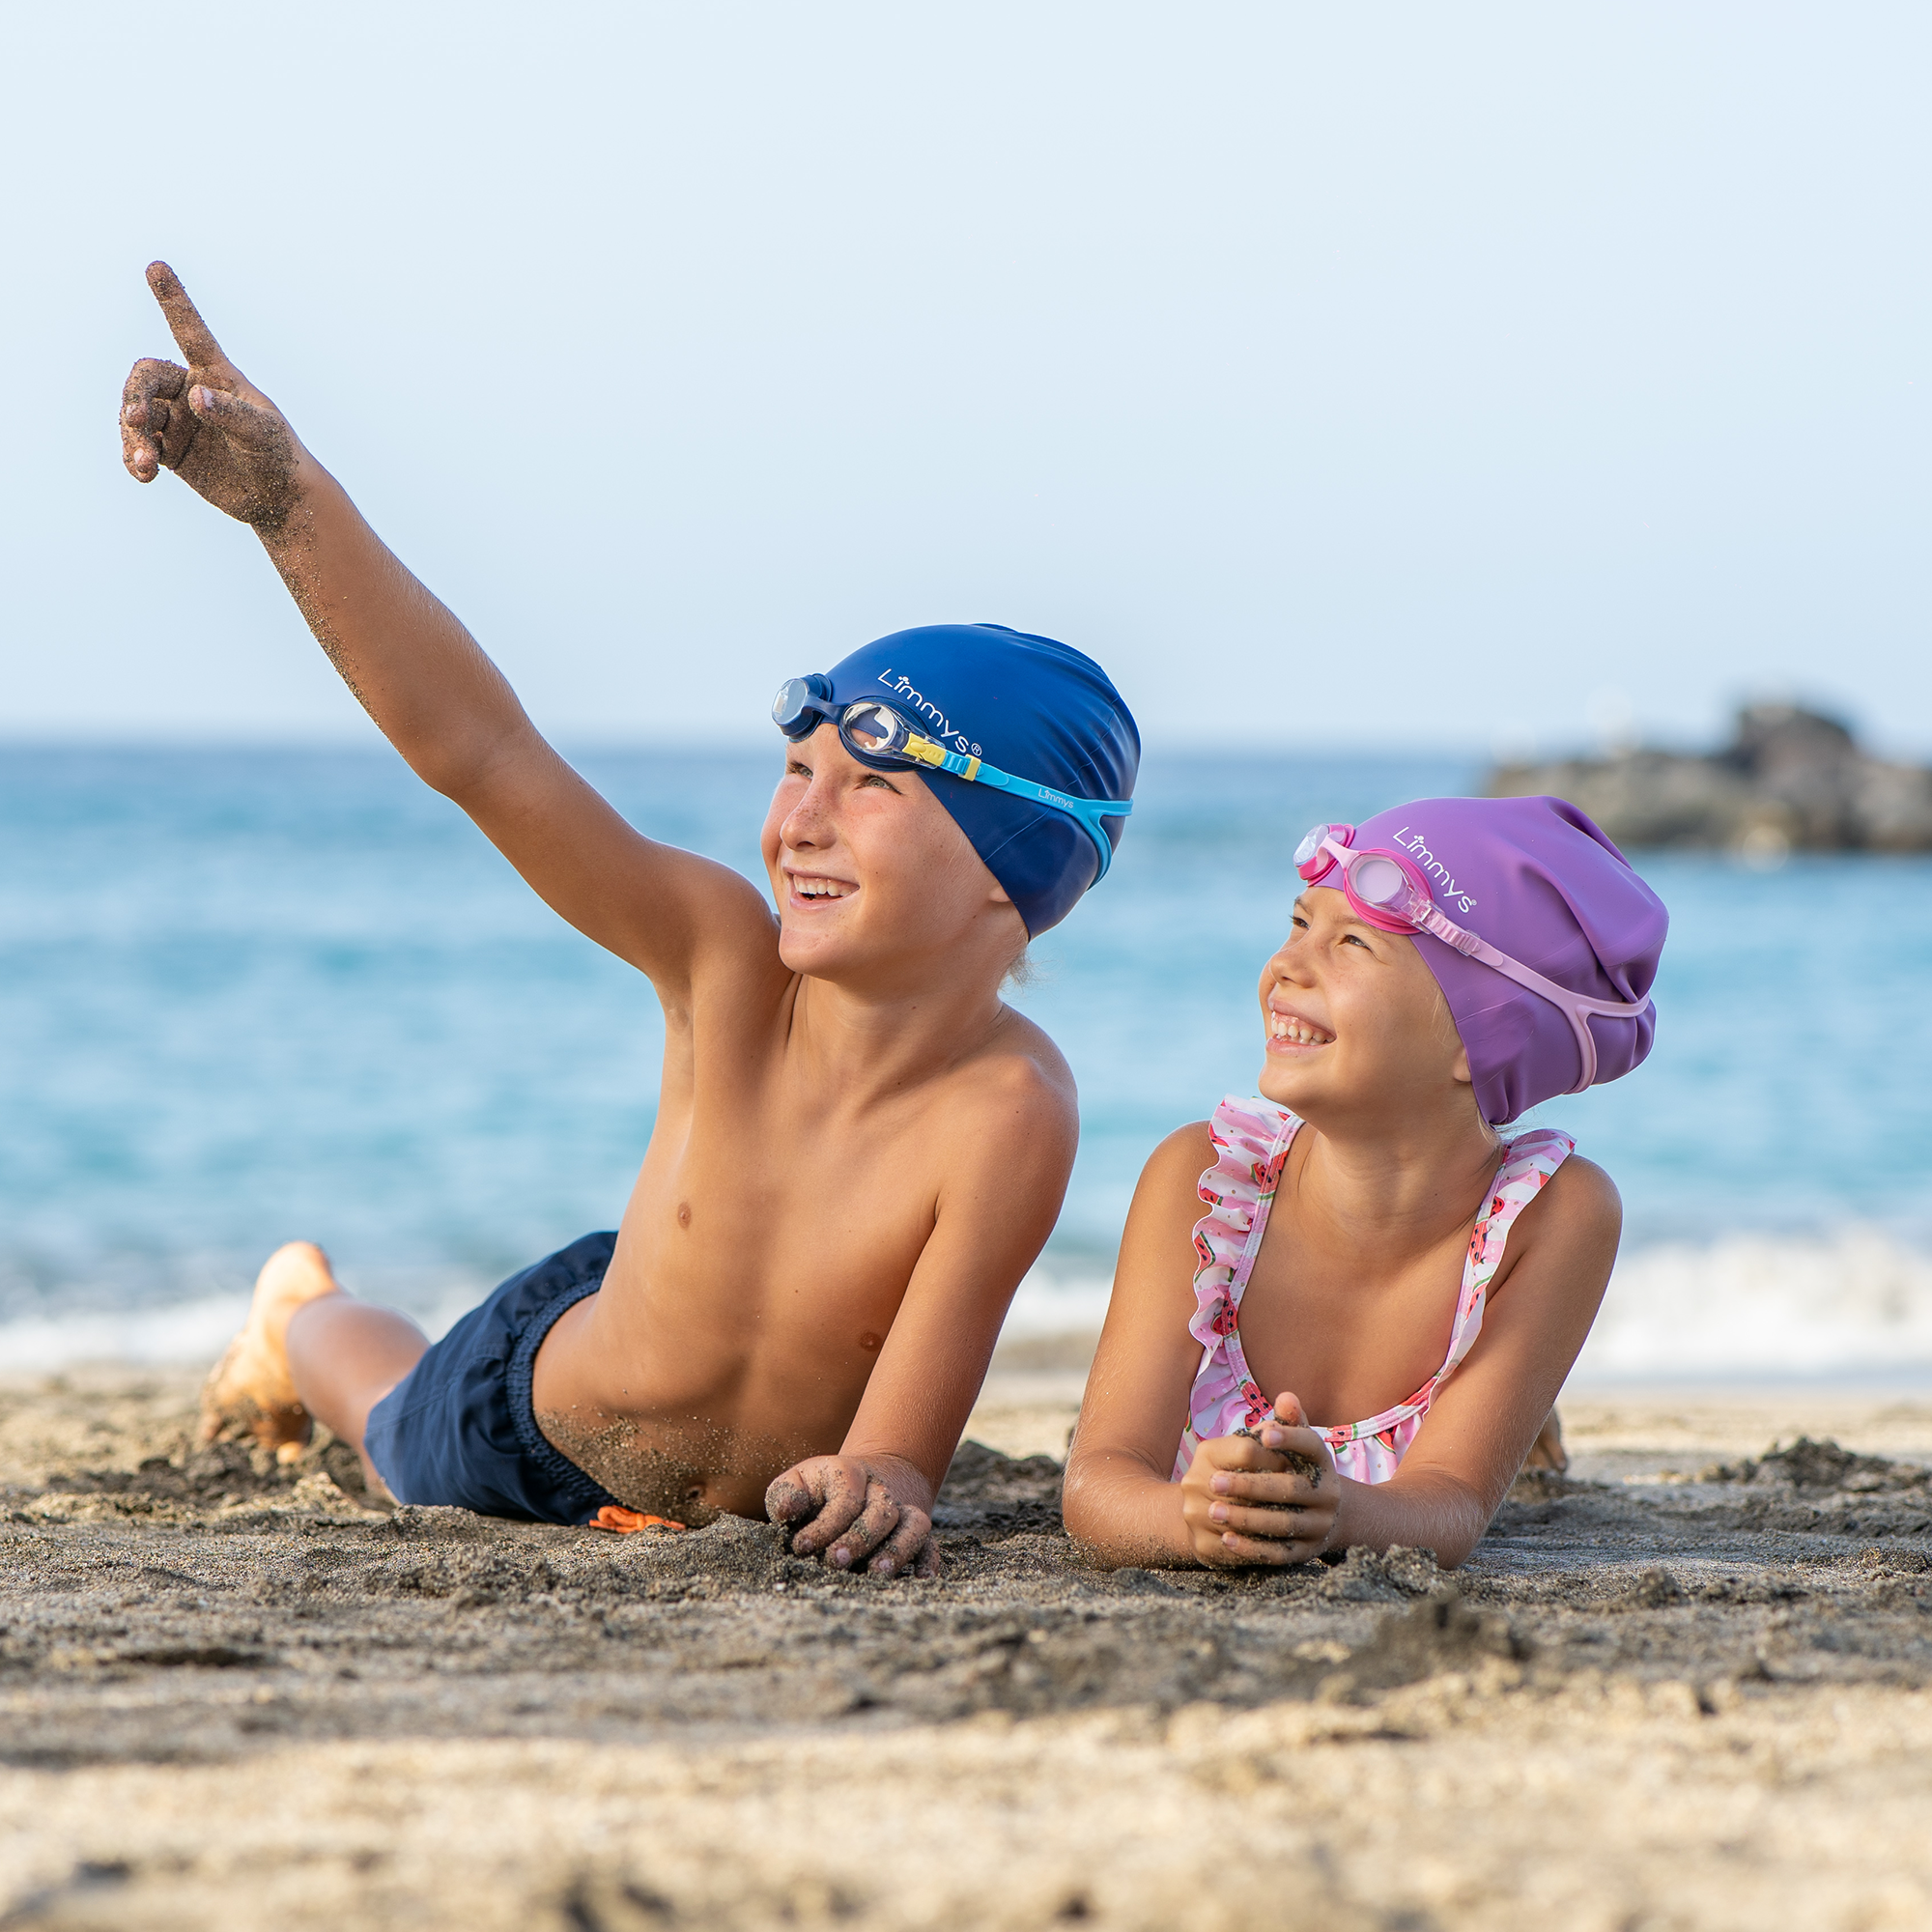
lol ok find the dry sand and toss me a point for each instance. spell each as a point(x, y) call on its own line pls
point(1679, 1687)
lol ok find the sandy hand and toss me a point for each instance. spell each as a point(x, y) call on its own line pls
point(841, 1508)
point(1265, 1494)
point(206, 422)
point(250, 1393)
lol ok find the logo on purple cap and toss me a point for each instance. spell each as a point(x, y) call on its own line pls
point(1418, 847)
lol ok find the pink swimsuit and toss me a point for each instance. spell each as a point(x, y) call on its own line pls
point(1251, 1142)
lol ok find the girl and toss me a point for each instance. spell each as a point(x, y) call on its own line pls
point(1372, 1246)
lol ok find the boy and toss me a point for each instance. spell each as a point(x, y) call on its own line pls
point(859, 1149)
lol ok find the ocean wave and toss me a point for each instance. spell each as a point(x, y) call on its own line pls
point(1855, 1303)
point(1858, 1303)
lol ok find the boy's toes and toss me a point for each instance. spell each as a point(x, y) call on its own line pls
point(243, 1400)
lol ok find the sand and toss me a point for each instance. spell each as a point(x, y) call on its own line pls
point(1687, 1684)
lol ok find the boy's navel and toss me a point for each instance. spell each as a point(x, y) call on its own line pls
point(684, 1213)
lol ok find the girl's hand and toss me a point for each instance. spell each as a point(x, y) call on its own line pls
point(206, 422)
point(1269, 1496)
point(843, 1509)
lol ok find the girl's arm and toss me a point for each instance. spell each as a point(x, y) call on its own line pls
point(1118, 1497)
point(419, 674)
point(1481, 1425)
point(1241, 1502)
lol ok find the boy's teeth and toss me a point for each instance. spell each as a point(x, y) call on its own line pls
point(819, 888)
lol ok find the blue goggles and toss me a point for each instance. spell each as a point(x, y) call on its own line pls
point(870, 729)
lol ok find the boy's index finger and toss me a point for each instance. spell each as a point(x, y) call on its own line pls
point(193, 336)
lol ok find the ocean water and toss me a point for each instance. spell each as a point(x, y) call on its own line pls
point(253, 994)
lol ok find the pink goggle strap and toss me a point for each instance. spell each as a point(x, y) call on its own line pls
point(1423, 913)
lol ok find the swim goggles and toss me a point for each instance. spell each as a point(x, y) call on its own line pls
point(1387, 890)
point(870, 729)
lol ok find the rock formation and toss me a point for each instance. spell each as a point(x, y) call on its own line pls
point(1790, 778)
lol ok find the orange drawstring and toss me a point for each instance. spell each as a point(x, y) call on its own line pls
point(615, 1516)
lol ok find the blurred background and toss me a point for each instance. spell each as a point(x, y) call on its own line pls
point(1379, 396)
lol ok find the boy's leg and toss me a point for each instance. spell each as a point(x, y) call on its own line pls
point(308, 1350)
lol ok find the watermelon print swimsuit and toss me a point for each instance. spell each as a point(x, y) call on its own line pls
point(1252, 1138)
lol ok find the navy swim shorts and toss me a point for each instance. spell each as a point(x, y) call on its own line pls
point(459, 1428)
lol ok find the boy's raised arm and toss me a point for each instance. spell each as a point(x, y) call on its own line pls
point(418, 671)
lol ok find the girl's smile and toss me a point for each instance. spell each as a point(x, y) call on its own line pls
point(1289, 1032)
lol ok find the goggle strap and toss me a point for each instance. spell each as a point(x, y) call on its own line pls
point(1578, 1009)
point(1086, 812)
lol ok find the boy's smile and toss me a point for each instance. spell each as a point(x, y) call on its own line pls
point(807, 890)
point(869, 872)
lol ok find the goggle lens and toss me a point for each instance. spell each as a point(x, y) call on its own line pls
point(799, 708)
point(1379, 882)
point(1310, 861)
point(874, 731)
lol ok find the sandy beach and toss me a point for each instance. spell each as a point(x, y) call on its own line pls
point(1687, 1685)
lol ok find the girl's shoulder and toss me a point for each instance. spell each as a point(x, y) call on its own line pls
point(1578, 1200)
point(1230, 1161)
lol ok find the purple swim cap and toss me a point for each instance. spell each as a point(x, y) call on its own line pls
point(1539, 881)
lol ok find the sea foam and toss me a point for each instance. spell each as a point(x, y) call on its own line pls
point(1856, 1304)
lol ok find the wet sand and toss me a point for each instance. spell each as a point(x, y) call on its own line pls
point(1689, 1685)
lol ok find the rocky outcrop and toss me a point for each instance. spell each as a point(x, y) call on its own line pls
point(1790, 780)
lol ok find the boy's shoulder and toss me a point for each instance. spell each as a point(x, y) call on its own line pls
point(1004, 1123)
point(1018, 1074)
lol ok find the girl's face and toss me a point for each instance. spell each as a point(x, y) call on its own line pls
point(1355, 1021)
point(874, 882)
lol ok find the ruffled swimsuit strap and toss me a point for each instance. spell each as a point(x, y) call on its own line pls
point(1530, 1160)
point(1251, 1139)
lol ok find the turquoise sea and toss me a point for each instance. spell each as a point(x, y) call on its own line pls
point(247, 994)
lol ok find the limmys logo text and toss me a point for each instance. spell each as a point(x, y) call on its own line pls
point(1418, 848)
point(902, 689)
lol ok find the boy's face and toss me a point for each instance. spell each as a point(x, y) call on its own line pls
point(874, 882)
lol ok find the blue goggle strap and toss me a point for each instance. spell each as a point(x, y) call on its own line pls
point(1086, 812)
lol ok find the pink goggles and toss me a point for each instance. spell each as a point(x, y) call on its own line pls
point(1386, 890)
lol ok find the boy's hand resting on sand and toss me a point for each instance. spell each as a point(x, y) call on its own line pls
point(206, 422)
point(846, 1509)
point(1269, 1497)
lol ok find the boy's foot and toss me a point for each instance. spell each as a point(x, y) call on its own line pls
point(1547, 1452)
point(250, 1395)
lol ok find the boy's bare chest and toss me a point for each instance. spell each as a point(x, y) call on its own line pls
point(792, 1213)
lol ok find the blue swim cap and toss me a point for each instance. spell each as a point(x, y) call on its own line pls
point(1029, 705)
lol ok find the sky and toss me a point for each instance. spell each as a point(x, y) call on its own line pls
point(1482, 378)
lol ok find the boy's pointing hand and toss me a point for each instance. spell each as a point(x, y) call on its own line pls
point(206, 422)
point(842, 1507)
